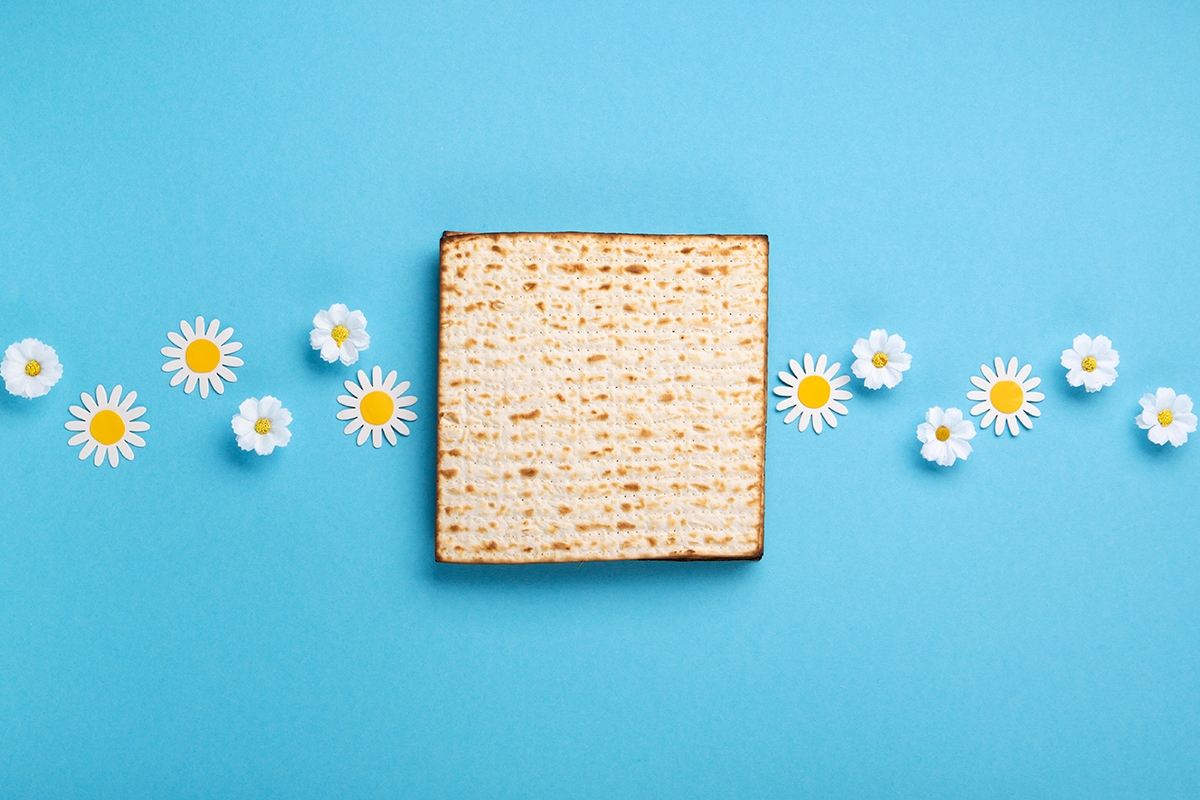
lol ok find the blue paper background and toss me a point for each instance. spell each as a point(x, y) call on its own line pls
point(985, 181)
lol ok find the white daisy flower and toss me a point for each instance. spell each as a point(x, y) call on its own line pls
point(1167, 417)
point(945, 435)
point(1091, 363)
point(813, 393)
point(880, 360)
point(377, 408)
point(202, 356)
point(30, 368)
point(339, 333)
point(1006, 396)
point(261, 425)
point(107, 425)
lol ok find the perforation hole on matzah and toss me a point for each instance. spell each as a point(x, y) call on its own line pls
point(601, 396)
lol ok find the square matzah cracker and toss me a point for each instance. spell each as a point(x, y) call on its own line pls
point(601, 397)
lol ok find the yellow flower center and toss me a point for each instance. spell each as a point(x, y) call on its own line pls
point(263, 426)
point(879, 360)
point(1007, 397)
point(340, 334)
point(942, 433)
point(1089, 364)
point(33, 369)
point(202, 355)
point(107, 427)
point(376, 407)
point(813, 391)
point(1165, 417)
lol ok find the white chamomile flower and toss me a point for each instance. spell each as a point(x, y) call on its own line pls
point(880, 360)
point(30, 368)
point(1006, 396)
point(1168, 417)
point(107, 425)
point(202, 356)
point(813, 393)
point(1091, 363)
point(377, 408)
point(944, 436)
point(261, 425)
point(339, 333)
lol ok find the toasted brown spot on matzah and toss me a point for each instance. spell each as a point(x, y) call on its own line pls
point(552, 396)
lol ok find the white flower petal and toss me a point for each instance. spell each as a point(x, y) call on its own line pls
point(1176, 435)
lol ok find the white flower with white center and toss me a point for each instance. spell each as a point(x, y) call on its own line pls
point(1168, 417)
point(1006, 396)
point(339, 333)
point(880, 360)
point(945, 435)
point(377, 408)
point(1091, 363)
point(812, 393)
point(30, 368)
point(202, 356)
point(107, 425)
point(261, 425)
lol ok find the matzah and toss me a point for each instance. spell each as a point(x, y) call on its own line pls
point(601, 397)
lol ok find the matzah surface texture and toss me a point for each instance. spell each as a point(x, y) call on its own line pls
point(601, 397)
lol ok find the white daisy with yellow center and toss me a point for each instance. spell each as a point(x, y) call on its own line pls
point(377, 407)
point(945, 436)
point(1091, 363)
point(339, 333)
point(812, 393)
point(1167, 417)
point(262, 425)
point(202, 356)
point(1005, 396)
point(30, 368)
point(107, 425)
point(880, 360)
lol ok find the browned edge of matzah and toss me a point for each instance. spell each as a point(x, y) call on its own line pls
point(757, 555)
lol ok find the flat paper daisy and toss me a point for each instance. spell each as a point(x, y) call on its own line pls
point(1006, 396)
point(377, 408)
point(880, 360)
point(202, 356)
point(107, 425)
point(813, 393)
point(1091, 363)
point(1168, 417)
point(339, 333)
point(30, 368)
point(944, 436)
